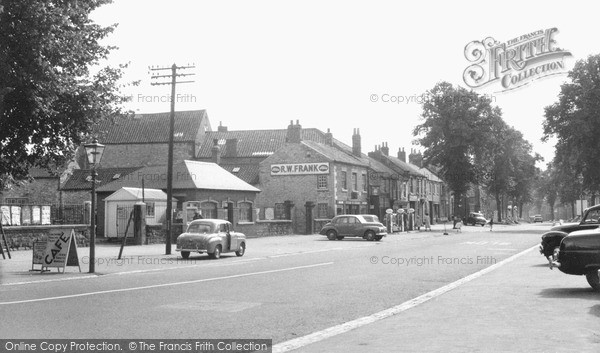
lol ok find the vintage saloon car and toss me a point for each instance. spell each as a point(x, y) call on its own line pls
point(551, 239)
point(475, 218)
point(213, 236)
point(579, 254)
point(364, 226)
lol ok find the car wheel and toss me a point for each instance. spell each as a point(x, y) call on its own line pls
point(217, 253)
point(483, 225)
point(339, 237)
point(593, 279)
point(241, 250)
point(185, 254)
point(369, 235)
point(331, 234)
point(378, 238)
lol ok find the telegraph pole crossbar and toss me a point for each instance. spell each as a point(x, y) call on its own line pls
point(173, 76)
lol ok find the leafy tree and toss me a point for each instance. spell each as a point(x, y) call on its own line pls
point(49, 100)
point(575, 121)
point(548, 187)
point(453, 119)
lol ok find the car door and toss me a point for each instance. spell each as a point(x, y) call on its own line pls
point(223, 237)
point(342, 226)
point(232, 238)
point(353, 226)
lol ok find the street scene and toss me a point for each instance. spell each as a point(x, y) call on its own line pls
point(264, 176)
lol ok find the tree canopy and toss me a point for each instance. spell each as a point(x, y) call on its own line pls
point(575, 122)
point(49, 100)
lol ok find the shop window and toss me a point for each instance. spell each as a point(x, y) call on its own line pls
point(150, 211)
point(209, 209)
point(322, 181)
point(280, 211)
point(245, 212)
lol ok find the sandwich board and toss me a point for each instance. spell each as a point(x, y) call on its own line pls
point(60, 250)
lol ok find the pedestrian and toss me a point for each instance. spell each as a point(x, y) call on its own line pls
point(491, 223)
point(427, 222)
point(454, 221)
point(418, 222)
point(197, 215)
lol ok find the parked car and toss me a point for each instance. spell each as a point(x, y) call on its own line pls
point(551, 239)
point(475, 218)
point(213, 236)
point(579, 254)
point(365, 226)
point(537, 218)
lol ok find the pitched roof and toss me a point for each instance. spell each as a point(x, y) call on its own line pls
point(253, 143)
point(152, 128)
point(81, 178)
point(400, 165)
point(186, 175)
point(335, 153)
point(134, 194)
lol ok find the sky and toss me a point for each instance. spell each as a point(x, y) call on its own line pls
point(336, 65)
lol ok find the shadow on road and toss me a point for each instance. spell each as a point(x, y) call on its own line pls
point(571, 293)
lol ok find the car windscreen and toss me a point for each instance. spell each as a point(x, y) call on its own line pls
point(592, 216)
point(201, 228)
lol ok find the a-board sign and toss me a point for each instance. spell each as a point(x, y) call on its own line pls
point(60, 250)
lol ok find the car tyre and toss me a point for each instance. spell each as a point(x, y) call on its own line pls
point(241, 250)
point(339, 237)
point(331, 234)
point(217, 253)
point(185, 254)
point(593, 279)
point(370, 235)
point(378, 238)
point(483, 225)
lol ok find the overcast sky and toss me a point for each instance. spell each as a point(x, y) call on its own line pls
point(260, 64)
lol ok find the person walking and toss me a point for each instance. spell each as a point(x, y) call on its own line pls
point(427, 222)
point(492, 223)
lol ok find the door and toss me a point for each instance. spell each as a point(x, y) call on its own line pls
point(124, 214)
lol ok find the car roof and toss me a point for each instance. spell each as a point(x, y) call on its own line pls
point(209, 220)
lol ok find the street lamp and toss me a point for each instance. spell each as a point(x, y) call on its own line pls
point(94, 152)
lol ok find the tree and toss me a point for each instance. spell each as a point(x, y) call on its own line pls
point(575, 122)
point(49, 100)
point(548, 187)
point(455, 130)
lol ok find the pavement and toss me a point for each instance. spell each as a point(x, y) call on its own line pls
point(518, 306)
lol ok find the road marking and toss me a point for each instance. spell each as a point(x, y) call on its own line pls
point(366, 320)
point(304, 252)
point(164, 284)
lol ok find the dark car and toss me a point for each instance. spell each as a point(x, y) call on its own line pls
point(537, 218)
point(475, 218)
point(579, 254)
point(363, 226)
point(551, 239)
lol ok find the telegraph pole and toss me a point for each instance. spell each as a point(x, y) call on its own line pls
point(173, 76)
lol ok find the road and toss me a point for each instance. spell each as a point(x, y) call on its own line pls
point(282, 289)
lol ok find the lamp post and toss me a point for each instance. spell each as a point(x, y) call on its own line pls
point(94, 152)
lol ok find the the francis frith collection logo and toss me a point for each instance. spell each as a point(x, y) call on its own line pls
point(516, 62)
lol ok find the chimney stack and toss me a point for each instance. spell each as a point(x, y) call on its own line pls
point(216, 154)
point(356, 145)
point(328, 138)
point(294, 132)
point(415, 158)
point(221, 128)
point(385, 149)
point(402, 154)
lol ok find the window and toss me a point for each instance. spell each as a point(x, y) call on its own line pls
point(245, 212)
point(412, 185)
point(16, 201)
point(354, 182)
point(280, 211)
point(322, 210)
point(344, 177)
point(209, 209)
point(364, 182)
point(150, 209)
point(322, 181)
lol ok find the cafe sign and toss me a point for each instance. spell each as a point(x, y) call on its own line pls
point(300, 169)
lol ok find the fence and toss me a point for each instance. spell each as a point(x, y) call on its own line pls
point(24, 215)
